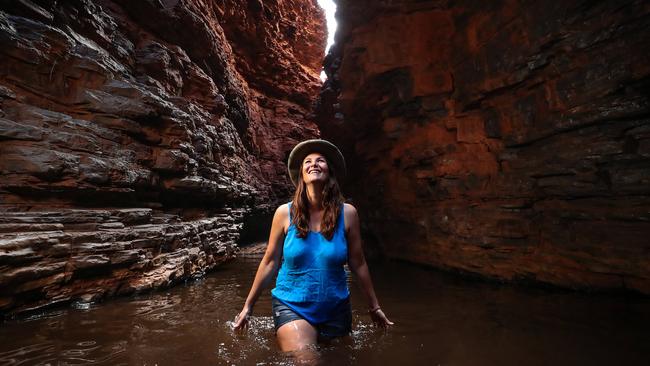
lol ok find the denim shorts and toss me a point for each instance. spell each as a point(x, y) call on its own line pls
point(338, 326)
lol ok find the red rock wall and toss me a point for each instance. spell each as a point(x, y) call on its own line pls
point(509, 139)
point(183, 111)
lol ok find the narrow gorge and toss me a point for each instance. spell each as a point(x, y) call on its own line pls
point(141, 140)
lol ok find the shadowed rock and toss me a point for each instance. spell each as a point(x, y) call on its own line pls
point(505, 139)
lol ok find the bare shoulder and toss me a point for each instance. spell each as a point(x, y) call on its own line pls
point(351, 216)
point(349, 209)
point(282, 210)
point(281, 216)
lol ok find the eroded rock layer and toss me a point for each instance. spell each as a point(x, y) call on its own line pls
point(509, 139)
point(52, 257)
point(186, 108)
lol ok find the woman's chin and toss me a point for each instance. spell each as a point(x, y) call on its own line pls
point(315, 180)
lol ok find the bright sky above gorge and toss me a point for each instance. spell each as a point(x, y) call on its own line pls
point(330, 9)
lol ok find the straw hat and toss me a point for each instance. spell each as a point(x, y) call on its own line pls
point(328, 149)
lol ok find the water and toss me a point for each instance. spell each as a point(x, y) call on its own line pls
point(440, 320)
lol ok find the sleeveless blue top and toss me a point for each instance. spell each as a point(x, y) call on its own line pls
point(312, 280)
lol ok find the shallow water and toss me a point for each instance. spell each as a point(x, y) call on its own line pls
point(440, 320)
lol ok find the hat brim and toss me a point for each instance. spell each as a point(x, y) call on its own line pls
point(328, 149)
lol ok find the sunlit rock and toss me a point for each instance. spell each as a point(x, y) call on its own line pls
point(167, 122)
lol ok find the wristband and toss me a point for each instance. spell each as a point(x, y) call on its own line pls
point(374, 310)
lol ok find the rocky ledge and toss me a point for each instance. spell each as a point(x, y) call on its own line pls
point(56, 257)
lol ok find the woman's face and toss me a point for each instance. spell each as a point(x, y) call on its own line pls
point(314, 168)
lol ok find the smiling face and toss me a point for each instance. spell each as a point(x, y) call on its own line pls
point(315, 168)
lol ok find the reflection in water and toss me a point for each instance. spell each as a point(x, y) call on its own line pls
point(439, 320)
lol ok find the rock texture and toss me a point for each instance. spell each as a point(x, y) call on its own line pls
point(52, 257)
point(509, 139)
point(186, 108)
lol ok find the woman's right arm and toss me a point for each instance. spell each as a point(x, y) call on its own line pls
point(268, 266)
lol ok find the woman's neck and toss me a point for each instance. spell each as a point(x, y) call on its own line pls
point(315, 196)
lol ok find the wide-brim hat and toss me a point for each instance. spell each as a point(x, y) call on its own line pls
point(328, 149)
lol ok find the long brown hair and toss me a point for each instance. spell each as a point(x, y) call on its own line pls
point(332, 200)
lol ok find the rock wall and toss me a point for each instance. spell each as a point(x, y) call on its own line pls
point(509, 139)
point(178, 112)
point(54, 257)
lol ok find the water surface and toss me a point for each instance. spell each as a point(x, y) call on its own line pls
point(440, 320)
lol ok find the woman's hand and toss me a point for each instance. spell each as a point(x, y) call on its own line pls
point(379, 318)
point(241, 320)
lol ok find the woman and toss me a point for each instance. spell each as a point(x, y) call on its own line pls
point(311, 238)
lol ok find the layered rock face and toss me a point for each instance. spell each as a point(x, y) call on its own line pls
point(136, 135)
point(52, 257)
point(509, 139)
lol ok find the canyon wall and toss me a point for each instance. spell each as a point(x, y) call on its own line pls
point(135, 136)
point(508, 139)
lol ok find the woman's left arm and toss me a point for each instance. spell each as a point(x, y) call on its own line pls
point(358, 266)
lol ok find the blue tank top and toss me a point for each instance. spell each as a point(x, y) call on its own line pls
point(312, 280)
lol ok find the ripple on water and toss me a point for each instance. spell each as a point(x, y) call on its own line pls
point(81, 305)
point(87, 343)
point(44, 315)
point(155, 305)
point(28, 354)
point(256, 339)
